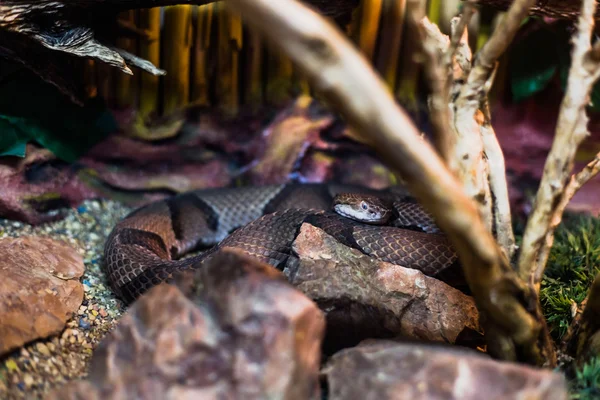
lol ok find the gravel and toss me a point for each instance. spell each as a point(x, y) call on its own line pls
point(29, 373)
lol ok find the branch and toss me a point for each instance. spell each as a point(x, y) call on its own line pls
point(498, 185)
point(575, 183)
point(457, 64)
point(434, 46)
point(563, 9)
point(583, 337)
point(346, 79)
point(472, 167)
point(571, 130)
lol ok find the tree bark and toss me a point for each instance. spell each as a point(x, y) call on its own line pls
point(564, 9)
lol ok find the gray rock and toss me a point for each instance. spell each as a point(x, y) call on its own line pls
point(380, 370)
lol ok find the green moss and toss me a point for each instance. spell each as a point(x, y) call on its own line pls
point(586, 385)
point(573, 263)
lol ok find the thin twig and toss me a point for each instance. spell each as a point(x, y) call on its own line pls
point(459, 42)
point(571, 130)
point(348, 82)
point(575, 183)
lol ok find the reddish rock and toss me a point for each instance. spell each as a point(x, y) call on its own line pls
point(380, 370)
point(286, 141)
point(34, 187)
point(366, 298)
point(236, 329)
point(39, 289)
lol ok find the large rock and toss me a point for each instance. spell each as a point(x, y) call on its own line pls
point(380, 370)
point(238, 330)
point(39, 289)
point(367, 298)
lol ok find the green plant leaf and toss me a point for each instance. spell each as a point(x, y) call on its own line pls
point(39, 112)
point(11, 139)
point(533, 62)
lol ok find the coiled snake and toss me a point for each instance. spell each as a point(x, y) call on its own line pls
point(145, 247)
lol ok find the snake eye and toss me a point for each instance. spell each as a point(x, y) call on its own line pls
point(363, 205)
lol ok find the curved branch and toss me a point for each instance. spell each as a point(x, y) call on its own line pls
point(571, 130)
point(346, 79)
point(563, 9)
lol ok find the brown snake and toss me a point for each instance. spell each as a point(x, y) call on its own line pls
point(145, 247)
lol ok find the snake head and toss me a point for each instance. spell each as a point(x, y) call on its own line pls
point(363, 208)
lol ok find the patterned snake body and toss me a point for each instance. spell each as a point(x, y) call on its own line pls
point(144, 248)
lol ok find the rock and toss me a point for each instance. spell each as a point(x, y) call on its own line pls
point(287, 139)
point(232, 329)
point(389, 370)
point(367, 298)
point(36, 188)
point(39, 289)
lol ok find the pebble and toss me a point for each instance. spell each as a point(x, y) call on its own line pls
point(42, 348)
point(11, 365)
point(28, 380)
point(47, 364)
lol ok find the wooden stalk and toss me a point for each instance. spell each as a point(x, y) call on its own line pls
point(202, 36)
point(149, 50)
point(393, 14)
point(176, 57)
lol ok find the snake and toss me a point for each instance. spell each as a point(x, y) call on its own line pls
point(152, 243)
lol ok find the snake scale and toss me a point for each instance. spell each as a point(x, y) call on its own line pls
point(145, 248)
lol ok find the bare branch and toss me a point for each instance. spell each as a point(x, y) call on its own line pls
point(447, 63)
point(472, 167)
point(565, 9)
point(583, 336)
point(498, 185)
point(347, 80)
point(494, 156)
point(571, 130)
point(459, 41)
point(575, 183)
point(435, 45)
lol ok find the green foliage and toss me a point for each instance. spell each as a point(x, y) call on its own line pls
point(539, 56)
point(572, 266)
point(33, 110)
point(586, 385)
point(534, 62)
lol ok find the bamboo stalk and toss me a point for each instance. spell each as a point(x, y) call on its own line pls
point(369, 26)
point(125, 95)
point(230, 44)
point(253, 97)
point(89, 78)
point(279, 82)
point(410, 68)
point(104, 79)
point(301, 84)
point(149, 50)
point(201, 52)
point(393, 12)
point(434, 11)
point(352, 29)
point(176, 57)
